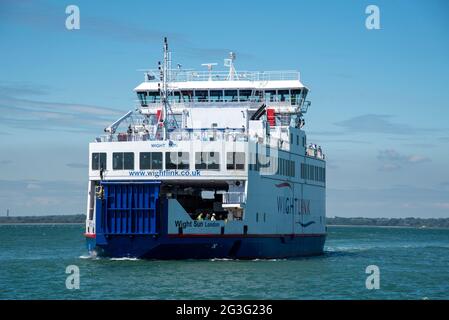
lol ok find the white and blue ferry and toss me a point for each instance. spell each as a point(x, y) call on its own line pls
point(212, 164)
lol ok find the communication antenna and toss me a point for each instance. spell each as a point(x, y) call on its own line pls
point(209, 68)
point(230, 63)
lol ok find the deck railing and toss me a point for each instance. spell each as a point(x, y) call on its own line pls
point(315, 152)
point(234, 197)
point(179, 135)
point(176, 75)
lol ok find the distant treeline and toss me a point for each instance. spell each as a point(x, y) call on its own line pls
point(391, 222)
point(74, 218)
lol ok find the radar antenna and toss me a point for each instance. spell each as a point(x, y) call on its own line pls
point(209, 68)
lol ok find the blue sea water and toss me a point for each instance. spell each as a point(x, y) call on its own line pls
point(413, 263)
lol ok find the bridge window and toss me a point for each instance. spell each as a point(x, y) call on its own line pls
point(176, 97)
point(201, 96)
point(258, 96)
point(150, 160)
point(123, 161)
point(177, 160)
point(187, 95)
point(143, 98)
point(245, 95)
point(216, 96)
point(230, 95)
point(296, 96)
point(283, 95)
point(235, 161)
point(98, 161)
point(207, 160)
point(153, 97)
point(270, 95)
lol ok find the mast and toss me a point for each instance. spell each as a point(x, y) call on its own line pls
point(164, 91)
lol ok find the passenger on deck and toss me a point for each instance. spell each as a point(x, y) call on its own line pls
point(200, 216)
point(213, 217)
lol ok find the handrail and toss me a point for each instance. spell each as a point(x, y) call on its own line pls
point(234, 197)
point(176, 75)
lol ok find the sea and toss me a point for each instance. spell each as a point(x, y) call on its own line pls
point(402, 263)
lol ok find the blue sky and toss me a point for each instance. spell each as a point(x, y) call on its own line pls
point(379, 97)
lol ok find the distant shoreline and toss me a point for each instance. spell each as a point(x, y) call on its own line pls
point(423, 223)
point(39, 223)
point(378, 226)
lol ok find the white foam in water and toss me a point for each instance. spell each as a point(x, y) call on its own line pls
point(89, 257)
point(221, 259)
point(124, 259)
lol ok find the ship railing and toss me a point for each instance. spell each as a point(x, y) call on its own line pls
point(253, 102)
point(315, 151)
point(235, 135)
point(176, 75)
point(234, 198)
point(203, 104)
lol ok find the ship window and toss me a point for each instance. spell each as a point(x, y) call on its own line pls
point(123, 161)
point(117, 161)
point(128, 160)
point(174, 121)
point(258, 96)
point(201, 96)
point(187, 95)
point(153, 97)
point(216, 95)
point(270, 95)
point(156, 160)
point(235, 161)
point(296, 96)
point(150, 160)
point(283, 95)
point(143, 98)
point(230, 95)
point(177, 160)
point(207, 160)
point(176, 97)
point(244, 95)
point(98, 160)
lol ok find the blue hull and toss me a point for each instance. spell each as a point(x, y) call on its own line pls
point(186, 247)
point(131, 221)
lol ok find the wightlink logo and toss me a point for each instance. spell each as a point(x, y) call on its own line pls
point(165, 173)
point(287, 205)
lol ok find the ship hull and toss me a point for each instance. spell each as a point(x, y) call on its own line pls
point(210, 247)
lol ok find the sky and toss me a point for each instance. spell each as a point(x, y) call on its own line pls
point(379, 96)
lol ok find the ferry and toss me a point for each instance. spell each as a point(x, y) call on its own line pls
point(209, 164)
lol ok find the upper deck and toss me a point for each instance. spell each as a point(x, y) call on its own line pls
point(190, 79)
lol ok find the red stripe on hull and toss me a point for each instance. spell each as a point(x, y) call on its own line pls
point(211, 235)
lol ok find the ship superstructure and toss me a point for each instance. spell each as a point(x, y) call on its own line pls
point(210, 165)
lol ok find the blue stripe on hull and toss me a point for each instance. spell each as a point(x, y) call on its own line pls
point(245, 247)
